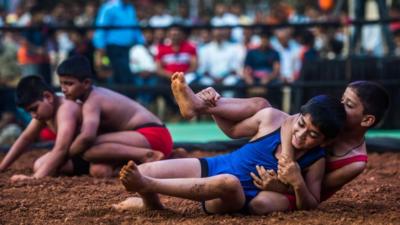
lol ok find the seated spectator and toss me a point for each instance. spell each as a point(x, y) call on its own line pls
point(220, 61)
point(289, 54)
point(261, 65)
point(143, 68)
point(176, 54)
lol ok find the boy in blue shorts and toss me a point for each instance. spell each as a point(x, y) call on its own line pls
point(224, 182)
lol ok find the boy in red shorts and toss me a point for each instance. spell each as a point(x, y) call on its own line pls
point(115, 129)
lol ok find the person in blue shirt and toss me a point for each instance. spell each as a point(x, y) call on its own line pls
point(262, 64)
point(116, 43)
point(224, 183)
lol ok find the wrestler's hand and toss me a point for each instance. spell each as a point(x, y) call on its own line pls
point(288, 171)
point(209, 95)
point(266, 180)
point(20, 177)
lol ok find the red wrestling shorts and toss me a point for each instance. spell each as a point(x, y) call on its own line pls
point(158, 137)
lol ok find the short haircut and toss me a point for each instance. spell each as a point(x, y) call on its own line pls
point(30, 89)
point(374, 98)
point(76, 66)
point(327, 113)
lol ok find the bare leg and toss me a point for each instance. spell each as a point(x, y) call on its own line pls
point(267, 202)
point(122, 146)
point(118, 153)
point(173, 168)
point(226, 188)
point(226, 111)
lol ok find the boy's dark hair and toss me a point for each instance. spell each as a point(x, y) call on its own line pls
point(30, 89)
point(76, 66)
point(327, 113)
point(373, 96)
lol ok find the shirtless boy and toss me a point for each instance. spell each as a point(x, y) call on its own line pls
point(47, 109)
point(114, 129)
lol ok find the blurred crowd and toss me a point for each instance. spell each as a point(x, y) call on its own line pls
point(213, 55)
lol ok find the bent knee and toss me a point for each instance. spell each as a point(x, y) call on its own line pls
point(228, 184)
point(101, 171)
point(261, 103)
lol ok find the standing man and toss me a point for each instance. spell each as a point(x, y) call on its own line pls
point(116, 43)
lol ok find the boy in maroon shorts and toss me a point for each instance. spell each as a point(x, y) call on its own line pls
point(115, 129)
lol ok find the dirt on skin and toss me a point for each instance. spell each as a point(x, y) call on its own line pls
point(372, 198)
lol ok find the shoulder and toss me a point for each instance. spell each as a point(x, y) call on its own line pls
point(271, 117)
point(69, 106)
point(272, 113)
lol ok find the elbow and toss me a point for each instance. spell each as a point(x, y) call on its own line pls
point(88, 140)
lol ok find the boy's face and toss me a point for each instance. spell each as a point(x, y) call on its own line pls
point(354, 108)
point(305, 134)
point(41, 110)
point(72, 88)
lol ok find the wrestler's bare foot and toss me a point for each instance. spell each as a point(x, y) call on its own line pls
point(189, 104)
point(152, 156)
point(131, 178)
point(131, 203)
point(137, 203)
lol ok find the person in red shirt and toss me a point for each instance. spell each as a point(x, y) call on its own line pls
point(176, 54)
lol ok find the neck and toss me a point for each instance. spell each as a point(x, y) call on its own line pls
point(352, 135)
point(87, 93)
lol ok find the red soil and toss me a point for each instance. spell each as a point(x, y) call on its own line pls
point(372, 198)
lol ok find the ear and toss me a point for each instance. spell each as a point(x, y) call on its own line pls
point(48, 96)
point(87, 83)
point(368, 120)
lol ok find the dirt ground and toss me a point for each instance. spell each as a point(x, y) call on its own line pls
point(373, 198)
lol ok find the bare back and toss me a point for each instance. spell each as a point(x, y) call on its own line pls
point(118, 112)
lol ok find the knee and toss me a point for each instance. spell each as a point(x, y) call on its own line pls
point(101, 171)
point(146, 169)
point(260, 103)
point(260, 206)
point(228, 184)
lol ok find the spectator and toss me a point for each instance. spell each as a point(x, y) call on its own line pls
point(220, 61)
point(116, 43)
point(289, 54)
point(262, 65)
point(176, 54)
point(143, 68)
point(161, 18)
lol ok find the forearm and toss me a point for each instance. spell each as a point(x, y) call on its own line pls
point(56, 160)
point(304, 198)
point(80, 144)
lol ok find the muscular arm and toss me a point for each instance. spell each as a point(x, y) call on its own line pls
point(308, 190)
point(336, 179)
point(22, 143)
point(90, 124)
point(286, 137)
point(67, 121)
point(265, 120)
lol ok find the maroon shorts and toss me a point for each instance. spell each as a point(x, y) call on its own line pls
point(292, 202)
point(158, 137)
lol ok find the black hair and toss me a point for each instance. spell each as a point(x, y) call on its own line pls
point(373, 96)
point(30, 89)
point(77, 66)
point(327, 113)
